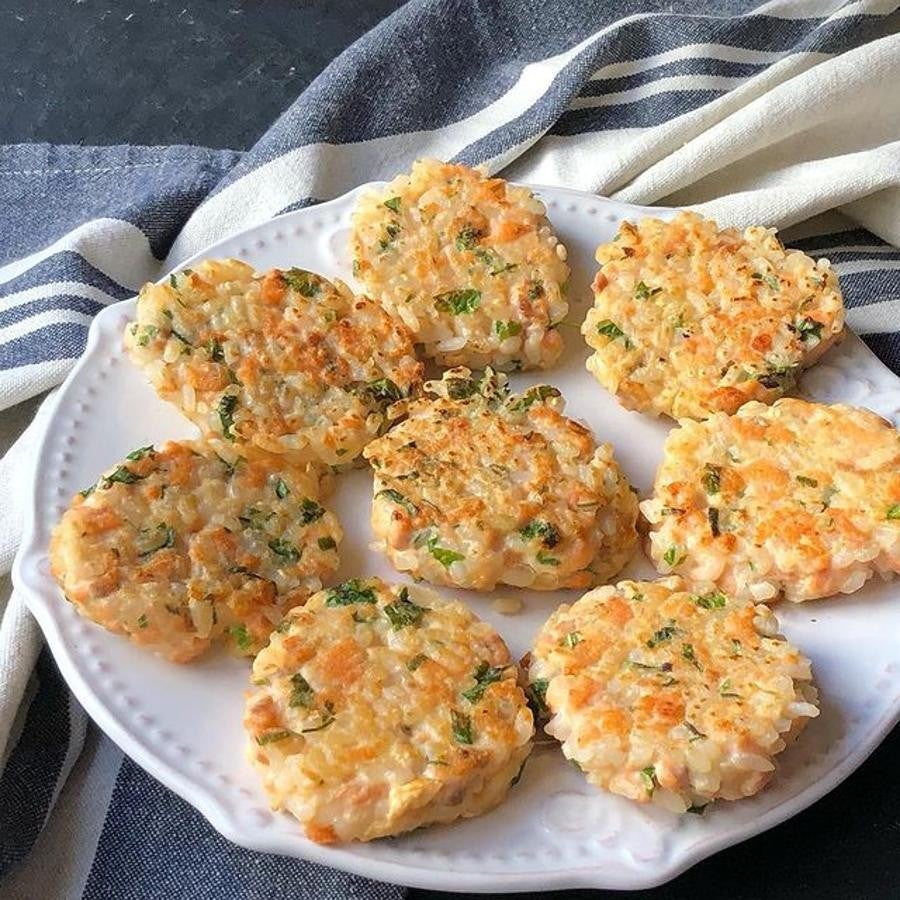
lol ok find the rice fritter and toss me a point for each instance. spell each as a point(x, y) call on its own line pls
point(798, 498)
point(468, 263)
point(380, 708)
point(285, 360)
point(187, 543)
point(670, 695)
point(689, 319)
point(479, 487)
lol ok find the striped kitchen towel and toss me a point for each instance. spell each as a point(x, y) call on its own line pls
point(785, 113)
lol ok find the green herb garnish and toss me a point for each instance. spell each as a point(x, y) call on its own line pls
point(572, 639)
point(462, 727)
point(281, 489)
point(711, 479)
point(468, 238)
point(352, 591)
point(687, 652)
point(539, 393)
point(712, 514)
point(393, 204)
point(403, 612)
point(284, 549)
point(240, 636)
point(327, 543)
point(327, 719)
point(458, 302)
point(712, 600)
point(163, 536)
point(809, 328)
point(416, 661)
point(310, 511)
point(809, 482)
point(648, 777)
point(301, 692)
point(484, 675)
point(666, 633)
point(444, 556)
point(642, 292)
point(399, 499)
point(505, 330)
point(142, 621)
point(226, 408)
point(304, 283)
point(613, 332)
point(893, 512)
point(120, 475)
point(271, 736)
point(545, 559)
point(536, 692)
point(725, 689)
point(141, 452)
point(673, 557)
point(548, 533)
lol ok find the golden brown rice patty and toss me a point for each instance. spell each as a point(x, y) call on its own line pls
point(800, 498)
point(285, 360)
point(689, 320)
point(478, 487)
point(469, 263)
point(670, 696)
point(190, 542)
point(382, 708)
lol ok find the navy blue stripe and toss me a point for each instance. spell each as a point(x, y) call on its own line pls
point(152, 841)
point(67, 265)
point(29, 779)
point(64, 340)
point(886, 347)
point(852, 237)
point(642, 38)
point(692, 66)
point(58, 301)
point(643, 113)
point(872, 286)
point(846, 256)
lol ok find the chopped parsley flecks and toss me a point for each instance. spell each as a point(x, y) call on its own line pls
point(736, 647)
point(327, 543)
point(696, 734)
point(270, 737)
point(468, 238)
point(240, 636)
point(310, 511)
point(352, 591)
point(159, 538)
point(809, 482)
point(281, 489)
point(664, 634)
point(545, 559)
point(712, 600)
point(393, 204)
point(120, 475)
point(461, 388)
point(547, 532)
point(770, 280)
point(711, 479)
point(382, 391)
point(327, 717)
point(301, 692)
point(712, 514)
point(687, 652)
point(255, 518)
point(673, 556)
point(444, 556)
point(572, 639)
point(403, 612)
point(462, 727)
point(399, 499)
point(505, 330)
point(809, 329)
point(539, 393)
point(484, 675)
point(648, 778)
point(458, 302)
point(143, 334)
point(285, 549)
point(726, 690)
point(391, 230)
point(536, 692)
point(225, 409)
point(416, 661)
point(613, 332)
point(214, 350)
point(643, 292)
point(142, 621)
point(141, 452)
point(304, 283)
point(893, 512)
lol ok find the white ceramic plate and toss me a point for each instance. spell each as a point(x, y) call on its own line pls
point(182, 724)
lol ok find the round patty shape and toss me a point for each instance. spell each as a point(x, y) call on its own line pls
point(286, 360)
point(670, 695)
point(380, 708)
point(189, 542)
point(479, 487)
point(469, 263)
point(800, 499)
point(689, 319)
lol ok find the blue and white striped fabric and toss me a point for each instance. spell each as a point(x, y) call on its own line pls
point(784, 113)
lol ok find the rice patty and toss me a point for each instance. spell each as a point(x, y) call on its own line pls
point(188, 543)
point(469, 263)
point(285, 360)
point(689, 320)
point(670, 696)
point(479, 487)
point(798, 498)
point(381, 708)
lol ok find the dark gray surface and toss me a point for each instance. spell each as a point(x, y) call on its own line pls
point(217, 73)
